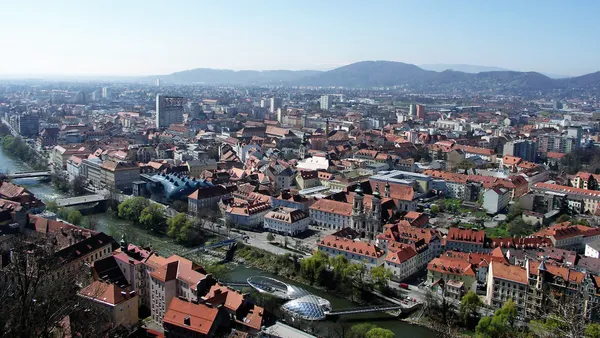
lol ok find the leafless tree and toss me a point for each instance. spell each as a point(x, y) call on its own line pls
point(39, 290)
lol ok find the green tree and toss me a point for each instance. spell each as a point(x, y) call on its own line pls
point(175, 224)
point(360, 330)
point(380, 333)
point(270, 237)
point(219, 271)
point(77, 186)
point(380, 277)
point(74, 217)
point(190, 235)
point(435, 209)
point(592, 330)
point(180, 206)
point(52, 206)
point(563, 218)
point(153, 217)
point(499, 325)
point(469, 305)
point(131, 209)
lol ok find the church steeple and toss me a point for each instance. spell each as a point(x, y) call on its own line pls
point(357, 205)
point(302, 149)
point(387, 190)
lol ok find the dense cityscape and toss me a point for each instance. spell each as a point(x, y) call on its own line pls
point(237, 169)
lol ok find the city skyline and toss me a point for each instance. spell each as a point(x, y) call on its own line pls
point(139, 38)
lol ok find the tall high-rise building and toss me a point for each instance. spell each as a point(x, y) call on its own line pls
point(279, 115)
point(412, 110)
point(81, 98)
point(29, 125)
point(326, 101)
point(525, 149)
point(274, 103)
point(106, 93)
point(169, 110)
point(157, 82)
point(420, 112)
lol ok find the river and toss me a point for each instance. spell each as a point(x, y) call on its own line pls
point(165, 246)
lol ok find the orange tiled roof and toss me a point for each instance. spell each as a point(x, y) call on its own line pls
point(334, 207)
point(105, 293)
point(201, 317)
point(466, 235)
point(513, 273)
point(351, 246)
point(452, 266)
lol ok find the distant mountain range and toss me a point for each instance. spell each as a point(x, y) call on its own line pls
point(440, 67)
point(388, 73)
point(241, 77)
point(475, 69)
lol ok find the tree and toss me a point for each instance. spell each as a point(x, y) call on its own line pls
point(219, 271)
point(469, 305)
point(74, 217)
point(153, 217)
point(52, 206)
point(77, 186)
point(42, 290)
point(175, 224)
point(180, 206)
point(380, 333)
point(435, 208)
point(270, 237)
point(190, 235)
point(563, 218)
point(502, 324)
point(131, 209)
point(592, 330)
point(360, 330)
point(380, 277)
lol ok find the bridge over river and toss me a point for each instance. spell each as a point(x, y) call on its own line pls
point(305, 305)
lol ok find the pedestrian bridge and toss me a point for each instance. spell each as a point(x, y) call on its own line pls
point(79, 200)
point(364, 309)
point(29, 174)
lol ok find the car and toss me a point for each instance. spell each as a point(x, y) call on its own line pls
point(403, 285)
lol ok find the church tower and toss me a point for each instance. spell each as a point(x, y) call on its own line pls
point(375, 219)
point(302, 149)
point(387, 190)
point(358, 211)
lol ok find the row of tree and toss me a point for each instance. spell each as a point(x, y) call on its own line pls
point(75, 187)
point(337, 273)
point(15, 146)
point(151, 216)
point(71, 215)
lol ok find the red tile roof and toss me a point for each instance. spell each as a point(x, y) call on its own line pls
point(105, 293)
point(513, 273)
point(334, 207)
point(201, 317)
point(452, 266)
point(466, 235)
point(351, 246)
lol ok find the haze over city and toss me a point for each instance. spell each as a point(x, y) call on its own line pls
point(151, 37)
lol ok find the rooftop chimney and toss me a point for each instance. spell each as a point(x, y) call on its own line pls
point(186, 321)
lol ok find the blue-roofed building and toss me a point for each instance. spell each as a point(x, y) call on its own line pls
point(170, 187)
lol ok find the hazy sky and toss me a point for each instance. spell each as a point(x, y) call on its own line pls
point(131, 37)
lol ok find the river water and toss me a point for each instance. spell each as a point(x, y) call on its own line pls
point(165, 246)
